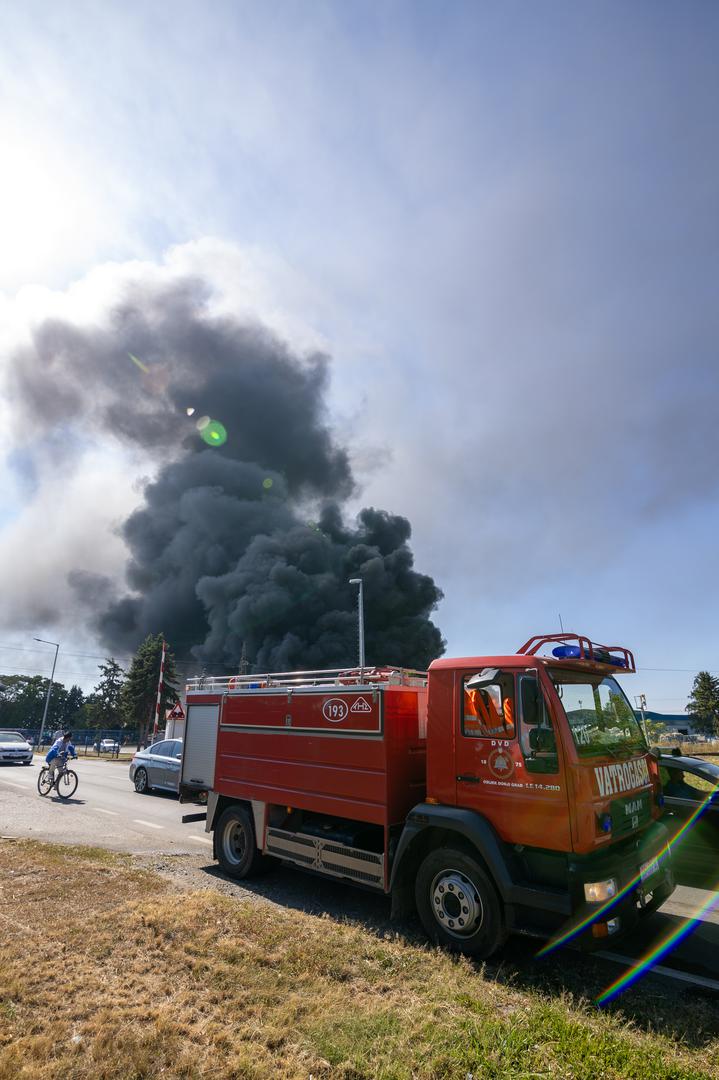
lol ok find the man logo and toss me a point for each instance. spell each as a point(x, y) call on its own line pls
point(361, 705)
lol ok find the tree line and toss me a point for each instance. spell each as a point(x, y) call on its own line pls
point(703, 704)
point(121, 700)
point(126, 699)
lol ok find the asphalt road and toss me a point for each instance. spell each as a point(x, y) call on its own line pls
point(107, 812)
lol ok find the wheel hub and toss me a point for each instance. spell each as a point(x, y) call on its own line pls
point(456, 904)
point(234, 842)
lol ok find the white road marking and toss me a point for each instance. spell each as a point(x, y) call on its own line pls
point(200, 840)
point(660, 969)
point(150, 824)
point(112, 813)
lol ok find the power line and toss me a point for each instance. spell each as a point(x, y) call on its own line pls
point(184, 660)
point(687, 670)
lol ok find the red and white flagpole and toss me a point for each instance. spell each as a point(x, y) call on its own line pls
point(160, 683)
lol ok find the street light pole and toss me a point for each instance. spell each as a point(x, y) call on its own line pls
point(360, 616)
point(49, 685)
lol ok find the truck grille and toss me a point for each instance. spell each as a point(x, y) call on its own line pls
point(630, 813)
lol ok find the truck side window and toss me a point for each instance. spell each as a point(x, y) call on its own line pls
point(488, 710)
point(537, 738)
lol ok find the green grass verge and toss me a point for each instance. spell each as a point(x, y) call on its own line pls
point(136, 980)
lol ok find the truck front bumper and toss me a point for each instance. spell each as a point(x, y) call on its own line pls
point(641, 868)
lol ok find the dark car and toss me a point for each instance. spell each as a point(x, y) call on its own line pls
point(157, 767)
point(687, 783)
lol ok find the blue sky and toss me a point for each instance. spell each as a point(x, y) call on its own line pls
point(500, 220)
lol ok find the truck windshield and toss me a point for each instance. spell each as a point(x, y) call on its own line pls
point(600, 717)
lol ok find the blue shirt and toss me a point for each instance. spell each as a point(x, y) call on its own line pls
point(61, 747)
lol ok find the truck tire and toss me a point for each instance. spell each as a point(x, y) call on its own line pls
point(235, 843)
point(458, 904)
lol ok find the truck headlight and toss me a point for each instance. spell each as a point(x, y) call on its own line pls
point(597, 891)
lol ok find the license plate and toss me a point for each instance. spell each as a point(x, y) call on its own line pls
point(649, 869)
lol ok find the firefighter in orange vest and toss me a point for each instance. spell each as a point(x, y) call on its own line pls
point(482, 717)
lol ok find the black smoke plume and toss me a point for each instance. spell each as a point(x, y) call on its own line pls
point(240, 548)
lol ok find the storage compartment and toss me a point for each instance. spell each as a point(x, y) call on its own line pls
point(199, 749)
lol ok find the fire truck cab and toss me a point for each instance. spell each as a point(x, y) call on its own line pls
point(493, 794)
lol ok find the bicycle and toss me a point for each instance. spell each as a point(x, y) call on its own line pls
point(64, 781)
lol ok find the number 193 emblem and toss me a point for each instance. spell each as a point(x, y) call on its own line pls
point(335, 710)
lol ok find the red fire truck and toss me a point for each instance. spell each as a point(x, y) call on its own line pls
point(493, 793)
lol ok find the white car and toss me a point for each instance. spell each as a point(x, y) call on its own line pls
point(14, 749)
point(109, 746)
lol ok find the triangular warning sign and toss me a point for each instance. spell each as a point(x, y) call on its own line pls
point(361, 705)
point(177, 712)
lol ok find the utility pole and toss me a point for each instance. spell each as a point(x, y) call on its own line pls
point(49, 685)
point(641, 700)
point(160, 687)
point(360, 616)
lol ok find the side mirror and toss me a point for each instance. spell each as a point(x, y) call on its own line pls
point(541, 740)
point(483, 678)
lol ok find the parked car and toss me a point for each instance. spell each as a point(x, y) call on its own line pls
point(108, 746)
point(14, 749)
point(687, 781)
point(157, 767)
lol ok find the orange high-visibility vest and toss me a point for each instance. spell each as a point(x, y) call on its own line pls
point(481, 715)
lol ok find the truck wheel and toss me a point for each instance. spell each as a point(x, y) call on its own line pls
point(235, 843)
point(458, 904)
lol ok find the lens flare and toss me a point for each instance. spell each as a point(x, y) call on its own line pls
point(599, 913)
point(202, 423)
point(142, 367)
point(214, 433)
point(190, 411)
point(158, 379)
point(267, 483)
point(658, 952)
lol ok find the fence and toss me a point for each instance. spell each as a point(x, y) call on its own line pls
point(86, 740)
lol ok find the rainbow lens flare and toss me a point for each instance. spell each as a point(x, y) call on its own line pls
point(267, 483)
point(658, 952)
point(598, 914)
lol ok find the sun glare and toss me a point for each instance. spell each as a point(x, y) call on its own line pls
point(47, 211)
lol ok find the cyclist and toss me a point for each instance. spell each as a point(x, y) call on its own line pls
point(62, 748)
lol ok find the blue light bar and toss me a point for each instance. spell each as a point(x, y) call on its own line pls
point(567, 652)
point(573, 652)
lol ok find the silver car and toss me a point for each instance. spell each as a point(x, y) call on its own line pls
point(14, 748)
point(157, 767)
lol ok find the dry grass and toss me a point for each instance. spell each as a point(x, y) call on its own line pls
point(136, 980)
point(708, 750)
